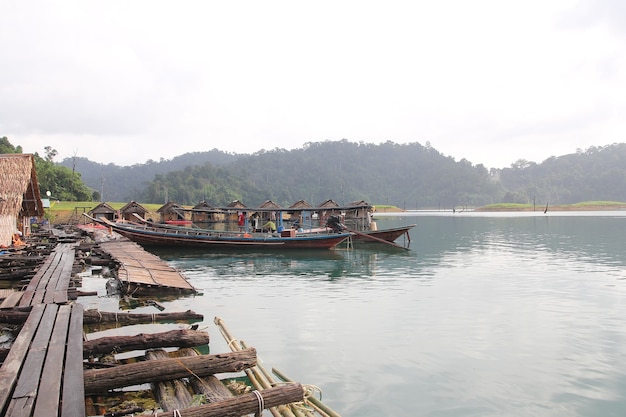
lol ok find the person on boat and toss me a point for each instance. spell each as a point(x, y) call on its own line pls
point(269, 226)
point(255, 222)
point(241, 221)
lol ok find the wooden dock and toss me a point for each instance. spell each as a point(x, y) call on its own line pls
point(41, 375)
point(140, 270)
point(51, 282)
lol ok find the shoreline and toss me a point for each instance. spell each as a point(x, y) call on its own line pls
point(556, 208)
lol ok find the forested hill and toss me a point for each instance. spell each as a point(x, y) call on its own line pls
point(409, 176)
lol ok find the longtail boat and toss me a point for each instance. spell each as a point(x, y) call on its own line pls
point(168, 235)
point(389, 235)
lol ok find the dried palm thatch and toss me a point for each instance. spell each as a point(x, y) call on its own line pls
point(19, 193)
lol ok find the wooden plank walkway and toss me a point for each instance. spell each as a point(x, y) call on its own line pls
point(141, 268)
point(43, 372)
point(51, 281)
point(11, 300)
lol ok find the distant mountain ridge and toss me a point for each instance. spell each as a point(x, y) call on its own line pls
point(125, 183)
point(408, 175)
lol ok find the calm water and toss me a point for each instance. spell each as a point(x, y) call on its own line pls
point(487, 315)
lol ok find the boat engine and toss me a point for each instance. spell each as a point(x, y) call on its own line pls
point(334, 222)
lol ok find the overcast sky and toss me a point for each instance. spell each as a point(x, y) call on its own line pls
point(488, 81)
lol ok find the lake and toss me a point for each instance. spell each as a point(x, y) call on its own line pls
point(488, 314)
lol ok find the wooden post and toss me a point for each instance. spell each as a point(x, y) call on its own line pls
point(244, 404)
point(95, 316)
point(179, 338)
point(99, 380)
point(172, 395)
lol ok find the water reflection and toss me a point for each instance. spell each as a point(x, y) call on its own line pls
point(484, 316)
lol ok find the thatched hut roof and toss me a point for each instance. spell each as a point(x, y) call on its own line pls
point(301, 204)
point(329, 204)
point(169, 207)
point(133, 207)
point(236, 204)
point(202, 205)
point(102, 208)
point(269, 204)
point(359, 203)
point(19, 193)
point(19, 189)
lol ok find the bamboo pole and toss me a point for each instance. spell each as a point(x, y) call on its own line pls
point(256, 378)
point(317, 404)
point(286, 411)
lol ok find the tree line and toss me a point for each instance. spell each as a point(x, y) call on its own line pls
point(410, 176)
point(61, 182)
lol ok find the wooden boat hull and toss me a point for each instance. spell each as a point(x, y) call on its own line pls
point(389, 235)
point(188, 237)
point(178, 222)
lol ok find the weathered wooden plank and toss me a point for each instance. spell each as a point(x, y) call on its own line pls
point(60, 277)
point(73, 404)
point(58, 292)
point(46, 268)
point(12, 365)
point(42, 282)
point(54, 275)
point(38, 296)
point(52, 279)
point(28, 382)
point(49, 392)
point(49, 280)
point(20, 407)
point(12, 300)
point(143, 268)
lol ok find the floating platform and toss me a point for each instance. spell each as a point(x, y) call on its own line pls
point(142, 272)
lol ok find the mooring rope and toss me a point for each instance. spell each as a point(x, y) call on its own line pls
point(309, 391)
point(176, 413)
point(260, 402)
point(188, 370)
point(230, 343)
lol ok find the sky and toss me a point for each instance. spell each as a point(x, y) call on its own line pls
point(489, 81)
